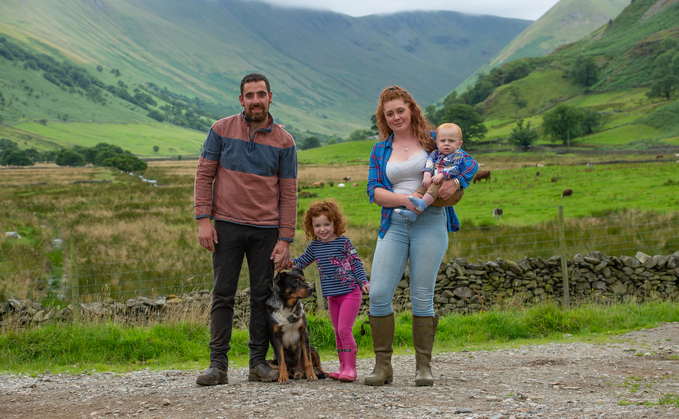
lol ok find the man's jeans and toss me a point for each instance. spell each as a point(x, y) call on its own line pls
point(236, 241)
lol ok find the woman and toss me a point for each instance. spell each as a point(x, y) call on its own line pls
point(396, 164)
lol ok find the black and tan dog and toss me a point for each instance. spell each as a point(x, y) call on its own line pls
point(294, 356)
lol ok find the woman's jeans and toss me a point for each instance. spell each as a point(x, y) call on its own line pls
point(343, 311)
point(424, 242)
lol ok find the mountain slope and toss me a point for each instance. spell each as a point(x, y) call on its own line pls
point(625, 53)
point(326, 69)
point(567, 21)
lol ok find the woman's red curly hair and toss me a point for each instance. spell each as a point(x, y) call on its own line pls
point(328, 208)
point(421, 126)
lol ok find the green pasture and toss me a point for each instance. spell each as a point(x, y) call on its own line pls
point(349, 152)
point(529, 199)
point(138, 138)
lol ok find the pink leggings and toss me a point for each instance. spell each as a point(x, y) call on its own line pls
point(343, 312)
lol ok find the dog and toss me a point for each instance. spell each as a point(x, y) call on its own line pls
point(294, 356)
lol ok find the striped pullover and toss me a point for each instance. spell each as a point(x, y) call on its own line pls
point(339, 266)
point(248, 178)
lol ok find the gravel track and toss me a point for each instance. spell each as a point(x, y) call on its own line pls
point(557, 380)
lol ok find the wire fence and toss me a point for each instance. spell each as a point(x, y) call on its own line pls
point(614, 236)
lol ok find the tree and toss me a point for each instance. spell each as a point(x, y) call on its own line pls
point(359, 134)
point(523, 136)
point(6, 144)
point(100, 68)
point(665, 78)
point(562, 123)
point(310, 142)
point(585, 71)
point(69, 158)
point(591, 120)
point(155, 148)
point(468, 119)
point(12, 157)
point(517, 100)
point(516, 70)
point(373, 123)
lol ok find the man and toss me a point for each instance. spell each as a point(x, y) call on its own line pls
point(253, 163)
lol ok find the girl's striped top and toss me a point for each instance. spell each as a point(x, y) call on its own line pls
point(339, 266)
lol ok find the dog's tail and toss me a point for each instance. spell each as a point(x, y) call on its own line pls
point(363, 324)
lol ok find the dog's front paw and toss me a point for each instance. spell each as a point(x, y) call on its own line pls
point(283, 380)
point(312, 377)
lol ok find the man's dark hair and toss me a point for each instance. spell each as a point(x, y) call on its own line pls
point(252, 77)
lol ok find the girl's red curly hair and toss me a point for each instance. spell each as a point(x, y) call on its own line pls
point(328, 208)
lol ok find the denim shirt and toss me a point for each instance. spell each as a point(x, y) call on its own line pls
point(377, 178)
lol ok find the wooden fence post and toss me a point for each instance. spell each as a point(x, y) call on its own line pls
point(75, 292)
point(564, 265)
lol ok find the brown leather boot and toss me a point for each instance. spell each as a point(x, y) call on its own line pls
point(424, 331)
point(383, 337)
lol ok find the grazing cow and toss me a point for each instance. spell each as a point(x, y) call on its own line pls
point(497, 213)
point(346, 178)
point(317, 184)
point(482, 174)
point(659, 156)
point(567, 192)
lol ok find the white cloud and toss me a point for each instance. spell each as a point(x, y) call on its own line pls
point(522, 9)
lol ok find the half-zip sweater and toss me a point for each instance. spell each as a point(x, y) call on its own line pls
point(248, 177)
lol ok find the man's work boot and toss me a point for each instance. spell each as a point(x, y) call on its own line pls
point(212, 377)
point(264, 373)
point(383, 337)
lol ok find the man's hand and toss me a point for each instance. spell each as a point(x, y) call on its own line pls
point(281, 255)
point(207, 235)
point(448, 188)
point(438, 178)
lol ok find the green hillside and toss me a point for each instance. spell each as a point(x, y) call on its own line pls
point(623, 59)
point(567, 21)
point(326, 68)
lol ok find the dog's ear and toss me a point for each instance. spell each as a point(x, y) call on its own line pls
point(298, 271)
point(279, 279)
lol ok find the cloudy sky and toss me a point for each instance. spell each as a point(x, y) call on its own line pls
point(522, 9)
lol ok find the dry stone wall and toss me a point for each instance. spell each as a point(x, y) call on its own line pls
point(461, 287)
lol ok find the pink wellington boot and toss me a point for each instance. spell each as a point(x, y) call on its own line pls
point(349, 373)
point(336, 375)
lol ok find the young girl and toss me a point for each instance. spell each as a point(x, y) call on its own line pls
point(342, 278)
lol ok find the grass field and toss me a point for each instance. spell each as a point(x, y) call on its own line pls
point(129, 220)
point(112, 346)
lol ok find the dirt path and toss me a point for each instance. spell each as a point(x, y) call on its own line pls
point(561, 380)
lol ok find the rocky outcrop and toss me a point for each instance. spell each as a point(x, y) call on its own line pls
point(461, 287)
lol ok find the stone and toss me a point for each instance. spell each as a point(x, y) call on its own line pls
point(599, 285)
point(463, 292)
point(642, 257)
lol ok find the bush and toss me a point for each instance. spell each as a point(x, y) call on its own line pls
point(523, 136)
point(125, 162)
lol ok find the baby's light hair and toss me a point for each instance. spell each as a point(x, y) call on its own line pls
point(328, 208)
point(449, 125)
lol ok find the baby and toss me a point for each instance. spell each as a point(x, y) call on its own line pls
point(446, 162)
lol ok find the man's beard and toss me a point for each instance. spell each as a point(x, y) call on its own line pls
point(262, 117)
